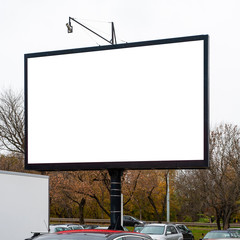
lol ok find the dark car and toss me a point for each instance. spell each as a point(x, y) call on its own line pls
point(93, 234)
point(131, 221)
point(187, 233)
point(220, 234)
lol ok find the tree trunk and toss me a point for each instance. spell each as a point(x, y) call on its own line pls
point(226, 218)
point(155, 209)
point(81, 210)
point(218, 220)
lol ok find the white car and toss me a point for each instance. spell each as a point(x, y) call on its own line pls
point(162, 232)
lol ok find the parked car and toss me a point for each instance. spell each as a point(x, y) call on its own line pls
point(90, 226)
point(93, 234)
point(106, 228)
point(187, 233)
point(131, 221)
point(58, 228)
point(162, 231)
point(75, 226)
point(220, 234)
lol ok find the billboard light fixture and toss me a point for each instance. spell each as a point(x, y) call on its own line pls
point(69, 27)
point(112, 41)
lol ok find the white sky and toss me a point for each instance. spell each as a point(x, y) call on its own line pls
point(39, 25)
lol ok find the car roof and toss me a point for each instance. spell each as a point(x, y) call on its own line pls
point(95, 233)
point(159, 224)
point(226, 231)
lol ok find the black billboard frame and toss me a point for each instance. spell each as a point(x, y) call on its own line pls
point(188, 164)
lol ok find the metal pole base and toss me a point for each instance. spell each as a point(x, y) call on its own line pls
point(115, 192)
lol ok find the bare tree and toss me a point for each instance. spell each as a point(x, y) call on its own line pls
point(217, 188)
point(11, 122)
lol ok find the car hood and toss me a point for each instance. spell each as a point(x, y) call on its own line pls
point(157, 237)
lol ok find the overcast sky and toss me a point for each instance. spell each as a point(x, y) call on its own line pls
point(40, 25)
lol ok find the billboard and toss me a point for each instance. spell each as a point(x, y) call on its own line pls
point(137, 105)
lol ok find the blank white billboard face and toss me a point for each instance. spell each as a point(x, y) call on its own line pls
point(124, 106)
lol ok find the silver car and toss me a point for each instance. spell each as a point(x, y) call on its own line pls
point(162, 232)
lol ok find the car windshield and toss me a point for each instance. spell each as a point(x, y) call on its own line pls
point(217, 235)
point(154, 230)
point(138, 229)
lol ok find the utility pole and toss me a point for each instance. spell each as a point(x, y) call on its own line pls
point(168, 199)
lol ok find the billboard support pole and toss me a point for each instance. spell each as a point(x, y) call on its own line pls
point(115, 174)
point(115, 197)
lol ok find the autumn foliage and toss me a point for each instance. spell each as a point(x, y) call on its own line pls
point(213, 193)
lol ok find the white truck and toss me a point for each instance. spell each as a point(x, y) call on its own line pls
point(24, 205)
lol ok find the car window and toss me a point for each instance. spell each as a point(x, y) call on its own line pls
point(217, 235)
point(174, 230)
point(75, 227)
point(59, 229)
point(138, 229)
point(180, 229)
point(171, 229)
point(183, 227)
point(155, 230)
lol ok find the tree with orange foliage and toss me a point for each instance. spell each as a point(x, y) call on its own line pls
point(148, 199)
point(79, 186)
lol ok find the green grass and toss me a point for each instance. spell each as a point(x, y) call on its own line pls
point(200, 232)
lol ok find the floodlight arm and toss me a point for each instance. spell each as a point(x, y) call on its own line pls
point(112, 41)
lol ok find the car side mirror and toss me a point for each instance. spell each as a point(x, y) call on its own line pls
point(168, 233)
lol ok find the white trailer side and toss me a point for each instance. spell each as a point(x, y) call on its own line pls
point(24, 205)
